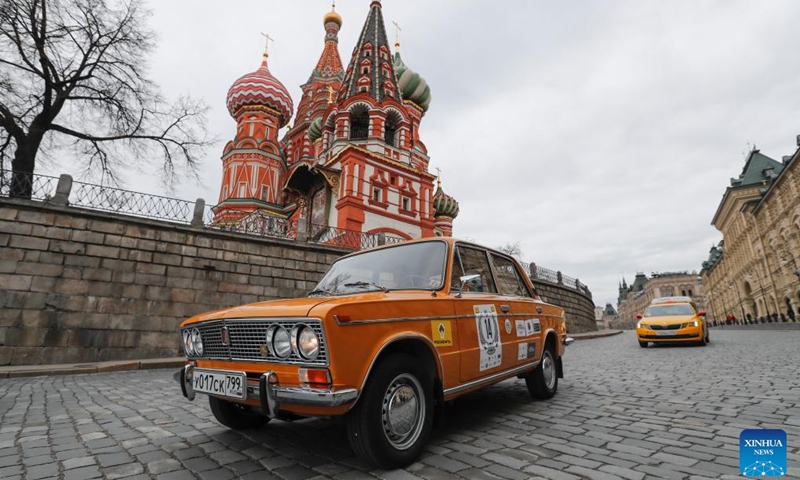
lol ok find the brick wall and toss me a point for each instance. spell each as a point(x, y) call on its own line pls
point(578, 308)
point(82, 286)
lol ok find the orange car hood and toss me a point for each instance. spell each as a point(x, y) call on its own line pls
point(296, 307)
point(668, 319)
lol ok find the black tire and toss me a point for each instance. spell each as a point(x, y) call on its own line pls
point(702, 341)
point(381, 437)
point(236, 416)
point(643, 344)
point(543, 381)
point(708, 337)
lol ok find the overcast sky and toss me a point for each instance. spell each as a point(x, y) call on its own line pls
point(600, 135)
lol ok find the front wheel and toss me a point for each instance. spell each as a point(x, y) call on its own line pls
point(542, 382)
point(391, 422)
point(236, 416)
point(643, 344)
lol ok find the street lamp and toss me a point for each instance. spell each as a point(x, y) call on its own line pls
point(750, 277)
point(786, 259)
point(738, 299)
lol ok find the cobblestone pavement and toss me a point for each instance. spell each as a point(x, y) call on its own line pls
point(621, 412)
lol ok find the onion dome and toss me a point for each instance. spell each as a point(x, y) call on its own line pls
point(443, 204)
point(315, 129)
point(260, 88)
point(332, 16)
point(412, 86)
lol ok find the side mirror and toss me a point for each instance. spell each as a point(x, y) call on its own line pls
point(638, 316)
point(464, 280)
point(702, 313)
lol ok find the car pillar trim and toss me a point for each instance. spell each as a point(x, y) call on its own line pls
point(492, 378)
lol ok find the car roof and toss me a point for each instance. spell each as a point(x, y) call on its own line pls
point(663, 300)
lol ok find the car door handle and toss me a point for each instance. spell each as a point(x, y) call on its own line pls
point(505, 308)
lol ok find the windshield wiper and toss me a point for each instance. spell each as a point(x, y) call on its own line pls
point(366, 284)
point(320, 291)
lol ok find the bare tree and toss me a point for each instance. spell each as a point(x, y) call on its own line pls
point(512, 249)
point(72, 73)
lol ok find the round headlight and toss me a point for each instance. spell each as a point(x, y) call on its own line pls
point(188, 346)
point(198, 342)
point(307, 342)
point(279, 341)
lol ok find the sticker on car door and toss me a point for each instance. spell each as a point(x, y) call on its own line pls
point(488, 336)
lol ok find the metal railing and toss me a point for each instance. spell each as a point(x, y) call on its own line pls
point(117, 200)
point(340, 237)
point(555, 277)
point(256, 223)
point(27, 185)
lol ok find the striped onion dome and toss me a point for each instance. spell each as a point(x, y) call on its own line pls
point(443, 204)
point(315, 129)
point(412, 86)
point(260, 88)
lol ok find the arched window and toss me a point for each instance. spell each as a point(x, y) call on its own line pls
point(359, 123)
point(390, 128)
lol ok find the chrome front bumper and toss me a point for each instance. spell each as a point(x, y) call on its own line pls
point(270, 394)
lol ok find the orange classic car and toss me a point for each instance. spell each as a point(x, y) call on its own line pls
point(385, 339)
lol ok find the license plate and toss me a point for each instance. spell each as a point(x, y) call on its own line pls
point(666, 334)
point(226, 384)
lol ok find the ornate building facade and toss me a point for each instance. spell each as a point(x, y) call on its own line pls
point(753, 274)
point(353, 161)
point(637, 297)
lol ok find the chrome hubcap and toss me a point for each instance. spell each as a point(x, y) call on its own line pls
point(403, 411)
point(549, 370)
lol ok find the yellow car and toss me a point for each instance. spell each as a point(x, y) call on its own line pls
point(672, 319)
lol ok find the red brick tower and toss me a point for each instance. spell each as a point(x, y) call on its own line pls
point(252, 163)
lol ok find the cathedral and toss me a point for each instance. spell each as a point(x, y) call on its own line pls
point(353, 160)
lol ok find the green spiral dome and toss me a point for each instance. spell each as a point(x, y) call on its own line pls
point(412, 86)
point(444, 204)
point(315, 129)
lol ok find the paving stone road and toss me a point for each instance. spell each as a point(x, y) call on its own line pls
point(621, 412)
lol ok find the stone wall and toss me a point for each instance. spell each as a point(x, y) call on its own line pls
point(81, 286)
point(578, 308)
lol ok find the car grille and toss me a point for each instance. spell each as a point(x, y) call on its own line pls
point(247, 337)
point(671, 337)
point(676, 326)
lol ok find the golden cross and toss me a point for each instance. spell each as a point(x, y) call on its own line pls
point(439, 177)
point(330, 94)
point(396, 34)
point(333, 6)
point(267, 39)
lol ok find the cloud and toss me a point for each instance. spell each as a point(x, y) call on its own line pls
point(600, 135)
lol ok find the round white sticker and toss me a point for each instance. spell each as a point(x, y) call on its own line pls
point(508, 326)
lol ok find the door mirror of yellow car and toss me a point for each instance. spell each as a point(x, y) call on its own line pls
point(638, 316)
point(702, 313)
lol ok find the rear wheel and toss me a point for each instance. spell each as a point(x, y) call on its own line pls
point(236, 416)
point(542, 382)
point(391, 422)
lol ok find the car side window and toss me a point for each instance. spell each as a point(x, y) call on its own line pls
point(471, 261)
point(508, 277)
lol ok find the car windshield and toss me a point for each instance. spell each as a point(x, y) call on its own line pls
point(665, 310)
point(412, 266)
